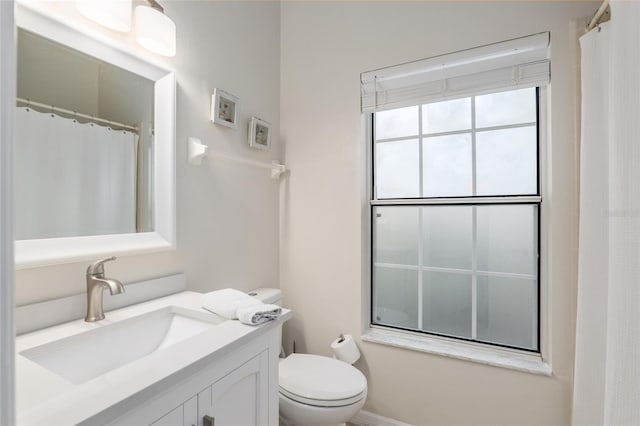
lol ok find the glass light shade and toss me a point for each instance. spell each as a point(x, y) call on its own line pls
point(113, 14)
point(155, 31)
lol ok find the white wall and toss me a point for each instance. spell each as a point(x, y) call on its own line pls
point(227, 214)
point(325, 47)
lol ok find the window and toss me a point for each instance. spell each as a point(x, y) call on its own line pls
point(455, 218)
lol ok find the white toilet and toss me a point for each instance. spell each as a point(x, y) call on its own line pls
point(316, 390)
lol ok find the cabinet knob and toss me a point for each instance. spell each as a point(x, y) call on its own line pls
point(208, 421)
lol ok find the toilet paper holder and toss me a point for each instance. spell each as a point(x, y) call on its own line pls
point(345, 349)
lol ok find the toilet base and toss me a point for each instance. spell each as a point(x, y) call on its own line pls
point(284, 422)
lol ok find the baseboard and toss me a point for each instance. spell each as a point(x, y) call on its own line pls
point(367, 418)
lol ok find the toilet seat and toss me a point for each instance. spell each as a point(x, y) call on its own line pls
point(320, 381)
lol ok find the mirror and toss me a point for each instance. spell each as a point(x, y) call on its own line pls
point(94, 150)
point(84, 144)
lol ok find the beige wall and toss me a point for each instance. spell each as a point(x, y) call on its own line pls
point(227, 214)
point(325, 47)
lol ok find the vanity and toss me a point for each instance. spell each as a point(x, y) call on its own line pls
point(162, 362)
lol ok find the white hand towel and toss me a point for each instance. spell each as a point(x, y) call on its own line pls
point(226, 302)
point(258, 314)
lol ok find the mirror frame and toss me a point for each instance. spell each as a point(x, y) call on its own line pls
point(51, 251)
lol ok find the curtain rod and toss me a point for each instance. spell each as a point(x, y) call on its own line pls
point(598, 15)
point(77, 114)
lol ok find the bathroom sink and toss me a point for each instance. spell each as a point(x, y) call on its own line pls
point(85, 356)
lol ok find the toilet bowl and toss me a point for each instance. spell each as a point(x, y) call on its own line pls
point(315, 390)
point(319, 391)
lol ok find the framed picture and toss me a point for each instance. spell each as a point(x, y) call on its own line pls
point(259, 134)
point(224, 108)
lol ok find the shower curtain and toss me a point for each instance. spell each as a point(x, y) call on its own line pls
point(72, 179)
point(607, 361)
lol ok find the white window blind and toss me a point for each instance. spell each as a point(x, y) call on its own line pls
point(518, 63)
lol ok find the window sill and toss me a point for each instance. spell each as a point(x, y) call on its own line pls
point(528, 363)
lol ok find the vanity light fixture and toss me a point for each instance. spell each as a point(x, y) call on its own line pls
point(155, 31)
point(113, 14)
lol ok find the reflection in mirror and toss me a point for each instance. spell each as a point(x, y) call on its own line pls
point(84, 144)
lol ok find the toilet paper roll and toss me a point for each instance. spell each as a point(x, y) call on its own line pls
point(346, 350)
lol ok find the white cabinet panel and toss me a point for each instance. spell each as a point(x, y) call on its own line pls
point(204, 404)
point(190, 417)
point(173, 418)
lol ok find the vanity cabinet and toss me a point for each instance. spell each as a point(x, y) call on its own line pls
point(239, 390)
point(239, 398)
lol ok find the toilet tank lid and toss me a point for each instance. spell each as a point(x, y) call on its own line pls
point(266, 294)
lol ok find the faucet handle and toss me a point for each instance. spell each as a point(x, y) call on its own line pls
point(97, 267)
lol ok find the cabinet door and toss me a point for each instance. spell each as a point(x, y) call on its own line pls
point(190, 409)
point(238, 399)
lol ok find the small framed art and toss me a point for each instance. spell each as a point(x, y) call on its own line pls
point(259, 134)
point(224, 108)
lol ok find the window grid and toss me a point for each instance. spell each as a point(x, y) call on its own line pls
point(481, 273)
point(473, 200)
point(419, 211)
point(474, 273)
point(458, 132)
point(474, 236)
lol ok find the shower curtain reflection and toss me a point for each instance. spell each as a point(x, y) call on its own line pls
point(72, 179)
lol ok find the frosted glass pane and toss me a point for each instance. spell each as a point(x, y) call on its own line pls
point(506, 162)
point(447, 236)
point(507, 311)
point(447, 304)
point(507, 238)
point(447, 166)
point(446, 116)
point(396, 123)
point(504, 108)
point(395, 297)
point(398, 169)
point(396, 235)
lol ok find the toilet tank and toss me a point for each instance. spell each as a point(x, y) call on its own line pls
point(267, 295)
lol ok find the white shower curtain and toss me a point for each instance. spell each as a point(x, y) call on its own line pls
point(72, 179)
point(607, 362)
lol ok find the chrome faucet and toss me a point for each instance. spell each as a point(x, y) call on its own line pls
point(96, 284)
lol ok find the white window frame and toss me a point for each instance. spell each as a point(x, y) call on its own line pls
point(484, 353)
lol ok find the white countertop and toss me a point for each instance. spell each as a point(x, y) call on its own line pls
point(44, 398)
